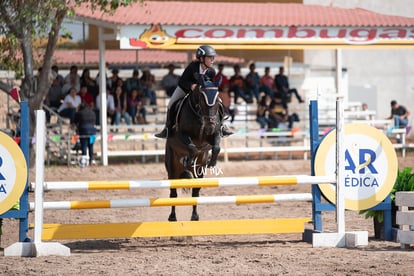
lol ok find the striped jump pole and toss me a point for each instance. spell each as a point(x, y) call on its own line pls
point(188, 183)
point(160, 202)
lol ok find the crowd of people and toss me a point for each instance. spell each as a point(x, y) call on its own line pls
point(77, 97)
point(128, 99)
point(271, 94)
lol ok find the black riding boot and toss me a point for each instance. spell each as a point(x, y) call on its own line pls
point(167, 129)
point(224, 130)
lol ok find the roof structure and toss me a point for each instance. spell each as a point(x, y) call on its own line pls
point(175, 25)
point(130, 57)
point(244, 14)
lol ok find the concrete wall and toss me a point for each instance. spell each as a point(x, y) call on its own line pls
point(384, 74)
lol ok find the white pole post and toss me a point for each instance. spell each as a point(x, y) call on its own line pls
point(40, 163)
point(103, 102)
point(340, 154)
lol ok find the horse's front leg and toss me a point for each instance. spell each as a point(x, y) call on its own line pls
point(195, 193)
point(173, 217)
point(215, 150)
point(191, 149)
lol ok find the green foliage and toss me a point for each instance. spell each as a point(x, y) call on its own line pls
point(403, 183)
point(10, 56)
point(107, 6)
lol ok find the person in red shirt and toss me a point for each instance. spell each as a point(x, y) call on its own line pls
point(86, 97)
point(224, 79)
point(267, 83)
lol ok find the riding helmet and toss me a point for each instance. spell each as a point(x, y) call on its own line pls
point(205, 50)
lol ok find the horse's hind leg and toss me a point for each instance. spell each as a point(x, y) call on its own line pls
point(195, 193)
point(173, 217)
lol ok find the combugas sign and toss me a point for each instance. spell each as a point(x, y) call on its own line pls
point(13, 172)
point(370, 166)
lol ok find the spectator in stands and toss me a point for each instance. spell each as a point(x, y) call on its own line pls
point(85, 120)
point(279, 116)
point(148, 80)
point(71, 80)
point(261, 113)
point(119, 83)
point(365, 112)
point(59, 77)
point(282, 86)
point(113, 80)
point(120, 101)
point(267, 83)
point(55, 95)
point(86, 97)
point(110, 107)
point(136, 108)
point(224, 79)
point(400, 114)
point(253, 82)
point(237, 86)
point(133, 82)
point(92, 86)
point(170, 81)
point(70, 105)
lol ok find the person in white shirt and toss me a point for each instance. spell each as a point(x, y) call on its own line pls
point(70, 105)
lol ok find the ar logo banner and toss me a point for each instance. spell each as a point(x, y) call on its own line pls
point(2, 178)
point(13, 172)
point(362, 172)
point(370, 166)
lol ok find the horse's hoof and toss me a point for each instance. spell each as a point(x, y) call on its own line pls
point(172, 218)
point(194, 217)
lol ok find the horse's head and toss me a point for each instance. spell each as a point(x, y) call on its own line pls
point(208, 102)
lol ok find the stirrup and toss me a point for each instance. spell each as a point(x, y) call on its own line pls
point(162, 134)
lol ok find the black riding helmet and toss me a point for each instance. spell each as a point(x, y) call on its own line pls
point(205, 50)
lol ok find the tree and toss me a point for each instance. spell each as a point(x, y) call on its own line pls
point(23, 21)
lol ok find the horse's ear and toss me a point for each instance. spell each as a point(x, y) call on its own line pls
point(200, 79)
point(217, 82)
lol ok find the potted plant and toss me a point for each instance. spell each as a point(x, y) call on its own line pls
point(403, 182)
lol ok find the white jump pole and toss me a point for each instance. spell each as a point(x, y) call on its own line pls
point(340, 154)
point(340, 238)
point(40, 248)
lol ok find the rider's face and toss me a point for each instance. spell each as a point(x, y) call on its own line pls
point(209, 60)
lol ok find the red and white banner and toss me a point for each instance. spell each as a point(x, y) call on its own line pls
point(187, 37)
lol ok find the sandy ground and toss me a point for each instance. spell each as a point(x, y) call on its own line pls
point(278, 254)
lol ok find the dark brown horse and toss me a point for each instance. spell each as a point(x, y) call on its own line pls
point(196, 132)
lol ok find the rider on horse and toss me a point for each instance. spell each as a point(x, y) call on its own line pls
point(189, 79)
